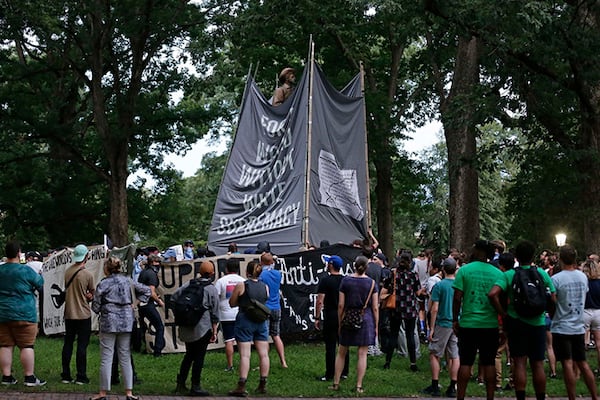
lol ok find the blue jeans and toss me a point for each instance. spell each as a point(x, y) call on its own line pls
point(150, 313)
point(82, 329)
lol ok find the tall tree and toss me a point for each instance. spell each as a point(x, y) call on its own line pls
point(94, 84)
point(551, 52)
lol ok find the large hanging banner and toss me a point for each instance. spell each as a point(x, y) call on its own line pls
point(300, 277)
point(263, 193)
point(261, 197)
point(338, 175)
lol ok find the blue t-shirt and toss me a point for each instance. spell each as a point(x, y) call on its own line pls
point(571, 288)
point(443, 294)
point(272, 278)
point(18, 284)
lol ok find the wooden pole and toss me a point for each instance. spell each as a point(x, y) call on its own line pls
point(311, 64)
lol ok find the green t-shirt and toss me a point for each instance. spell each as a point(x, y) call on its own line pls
point(475, 280)
point(505, 283)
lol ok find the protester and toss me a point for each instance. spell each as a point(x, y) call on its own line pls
point(188, 250)
point(35, 261)
point(327, 304)
point(375, 271)
point(272, 278)
point(506, 261)
point(79, 284)
point(147, 310)
point(475, 321)
point(591, 319)
point(227, 314)
point(357, 291)
point(526, 333)
point(197, 338)
point(442, 340)
point(18, 315)
point(407, 287)
point(568, 328)
point(248, 331)
point(113, 301)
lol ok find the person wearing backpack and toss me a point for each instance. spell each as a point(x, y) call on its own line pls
point(524, 318)
point(248, 328)
point(203, 308)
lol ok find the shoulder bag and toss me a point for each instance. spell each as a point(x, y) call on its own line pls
point(352, 320)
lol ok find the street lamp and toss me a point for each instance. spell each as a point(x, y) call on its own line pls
point(561, 239)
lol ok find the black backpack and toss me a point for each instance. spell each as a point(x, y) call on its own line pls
point(188, 308)
point(529, 292)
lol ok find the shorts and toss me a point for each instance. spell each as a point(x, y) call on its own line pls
point(248, 331)
point(275, 323)
point(444, 341)
point(591, 319)
point(228, 328)
point(568, 347)
point(18, 333)
point(525, 340)
point(486, 340)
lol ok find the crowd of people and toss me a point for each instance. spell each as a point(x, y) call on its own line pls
point(462, 309)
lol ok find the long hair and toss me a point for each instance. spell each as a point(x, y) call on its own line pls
point(591, 269)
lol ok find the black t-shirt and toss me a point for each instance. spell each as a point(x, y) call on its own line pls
point(149, 278)
point(374, 272)
point(330, 286)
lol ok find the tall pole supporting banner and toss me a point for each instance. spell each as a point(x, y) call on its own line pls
point(362, 90)
point(311, 65)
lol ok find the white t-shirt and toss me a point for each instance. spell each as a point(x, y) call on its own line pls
point(225, 286)
point(421, 270)
point(571, 288)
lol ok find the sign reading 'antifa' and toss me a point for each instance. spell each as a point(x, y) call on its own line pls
point(300, 277)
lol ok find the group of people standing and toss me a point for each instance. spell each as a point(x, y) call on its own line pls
point(472, 309)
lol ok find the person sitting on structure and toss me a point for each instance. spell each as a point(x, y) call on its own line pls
point(287, 79)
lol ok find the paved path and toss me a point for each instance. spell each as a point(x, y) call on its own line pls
point(84, 396)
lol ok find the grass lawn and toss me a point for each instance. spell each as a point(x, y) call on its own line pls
point(306, 361)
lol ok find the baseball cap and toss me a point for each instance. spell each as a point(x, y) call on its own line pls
point(382, 257)
point(449, 261)
point(337, 261)
point(79, 252)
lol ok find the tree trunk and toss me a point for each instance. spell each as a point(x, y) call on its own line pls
point(590, 127)
point(457, 113)
point(119, 213)
point(384, 206)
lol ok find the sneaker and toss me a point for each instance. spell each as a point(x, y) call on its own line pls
point(344, 377)
point(323, 378)
point(432, 391)
point(451, 392)
point(229, 369)
point(9, 380)
point(414, 368)
point(82, 381)
point(32, 380)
